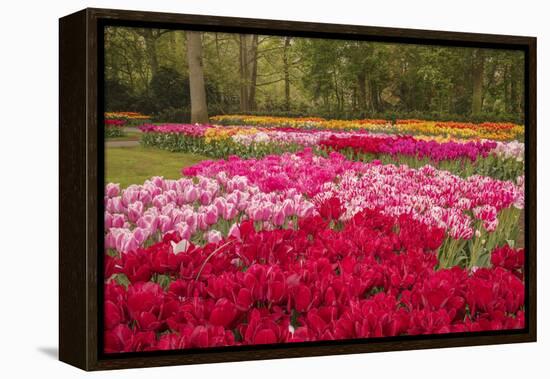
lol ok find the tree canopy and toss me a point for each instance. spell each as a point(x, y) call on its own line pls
point(147, 70)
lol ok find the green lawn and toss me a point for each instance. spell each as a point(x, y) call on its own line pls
point(133, 165)
point(128, 136)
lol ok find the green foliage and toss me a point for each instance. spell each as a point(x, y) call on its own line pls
point(113, 132)
point(147, 71)
point(118, 95)
point(393, 115)
point(492, 166)
point(215, 149)
point(169, 89)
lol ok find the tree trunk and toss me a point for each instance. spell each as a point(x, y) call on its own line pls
point(490, 88)
point(477, 77)
point(336, 91)
point(362, 87)
point(253, 74)
point(515, 93)
point(243, 72)
point(199, 110)
point(375, 97)
point(507, 89)
point(173, 46)
point(151, 50)
point(286, 71)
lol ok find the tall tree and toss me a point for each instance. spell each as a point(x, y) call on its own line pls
point(243, 72)
point(253, 60)
point(150, 38)
point(248, 70)
point(197, 92)
point(477, 80)
point(286, 71)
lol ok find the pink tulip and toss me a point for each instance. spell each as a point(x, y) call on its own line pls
point(201, 221)
point(234, 231)
point(145, 197)
point(129, 196)
point(180, 199)
point(158, 181)
point(211, 215)
point(140, 235)
point(121, 238)
point(305, 210)
point(171, 196)
point(278, 217)
point(192, 220)
point(148, 221)
point(131, 244)
point(112, 189)
point(135, 211)
point(288, 208)
point(267, 211)
point(229, 212)
point(118, 221)
point(183, 230)
point(220, 204)
point(165, 223)
point(255, 213)
point(160, 201)
point(205, 198)
point(110, 242)
point(213, 236)
point(115, 205)
point(107, 220)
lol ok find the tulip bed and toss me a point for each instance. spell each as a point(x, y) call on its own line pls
point(310, 283)
point(466, 130)
point(129, 118)
point(309, 245)
point(114, 128)
point(306, 229)
point(116, 121)
point(501, 160)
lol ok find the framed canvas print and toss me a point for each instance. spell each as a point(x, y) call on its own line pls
point(237, 189)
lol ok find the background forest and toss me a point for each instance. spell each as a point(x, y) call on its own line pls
point(149, 70)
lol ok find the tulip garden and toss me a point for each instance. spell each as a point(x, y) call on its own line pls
point(306, 229)
point(116, 121)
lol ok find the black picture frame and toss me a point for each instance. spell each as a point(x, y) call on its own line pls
point(81, 186)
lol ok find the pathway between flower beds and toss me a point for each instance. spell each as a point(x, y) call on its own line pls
point(129, 143)
point(121, 143)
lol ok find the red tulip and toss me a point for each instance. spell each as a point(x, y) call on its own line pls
point(223, 313)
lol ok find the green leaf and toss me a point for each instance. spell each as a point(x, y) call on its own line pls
point(122, 279)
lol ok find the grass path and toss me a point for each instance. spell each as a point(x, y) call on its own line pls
point(128, 136)
point(133, 165)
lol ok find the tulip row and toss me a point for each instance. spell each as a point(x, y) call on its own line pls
point(502, 160)
point(200, 210)
point(216, 142)
point(114, 128)
point(372, 277)
point(470, 210)
point(400, 145)
point(477, 213)
point(487, 130)
point(127, 115)
point(129, 118)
